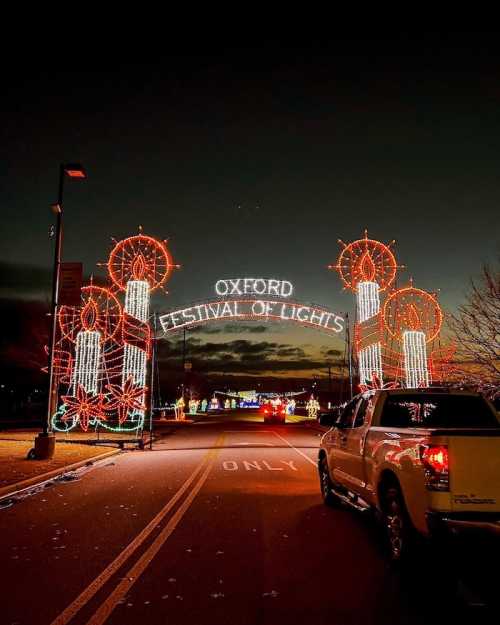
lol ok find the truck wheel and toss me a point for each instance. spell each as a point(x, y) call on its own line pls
point(326, 485)
point(398, 524)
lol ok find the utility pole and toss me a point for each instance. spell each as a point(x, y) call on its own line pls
point(45, 441)
point(151, 392)
point(183, 362)
point(349, 350)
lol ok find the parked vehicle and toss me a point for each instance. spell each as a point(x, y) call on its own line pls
point(274, 412)
point(427, 461)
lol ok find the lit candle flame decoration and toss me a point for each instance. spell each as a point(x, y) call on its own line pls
point(139, 267)
point(414, 318)
point(89, 315)
point(367, 267)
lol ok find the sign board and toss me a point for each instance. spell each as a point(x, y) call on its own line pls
point(254, 286)
point(70, 284)
point(247, 305)
point(251, 309)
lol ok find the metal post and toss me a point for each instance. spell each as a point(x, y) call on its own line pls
point(151, 393)
point(184, 363)
point(349, 350)
point(52, 399)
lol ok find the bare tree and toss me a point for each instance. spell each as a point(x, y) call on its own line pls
point(476, 327)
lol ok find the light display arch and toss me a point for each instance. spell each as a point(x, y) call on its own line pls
point(104, 345)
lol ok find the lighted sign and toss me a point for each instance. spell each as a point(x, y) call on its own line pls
point(253, 309)
point(254, 286)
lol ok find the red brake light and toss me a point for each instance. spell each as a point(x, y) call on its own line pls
point(436, 457)
point(265, 411)
point(436, 464)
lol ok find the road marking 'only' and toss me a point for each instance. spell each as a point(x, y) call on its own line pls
point(256, 465)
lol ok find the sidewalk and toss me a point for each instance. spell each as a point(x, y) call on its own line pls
point(16, 469)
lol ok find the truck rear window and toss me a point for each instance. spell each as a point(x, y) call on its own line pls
point(437, 411)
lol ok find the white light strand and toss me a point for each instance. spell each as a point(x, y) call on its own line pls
point(87, 356)
point(137, 299)
point(134, 365)
point(415, 352)
point(252, 309)
point(370, 362)
point(253, 286)
point(134, 358)
point(368, 300)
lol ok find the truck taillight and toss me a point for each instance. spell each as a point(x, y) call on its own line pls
point(436, 466)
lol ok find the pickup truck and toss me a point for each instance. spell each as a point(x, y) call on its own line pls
point(426, 461)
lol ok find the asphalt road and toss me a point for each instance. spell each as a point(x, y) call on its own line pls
point(222, 523)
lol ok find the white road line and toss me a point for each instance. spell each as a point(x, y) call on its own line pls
point(295, 448)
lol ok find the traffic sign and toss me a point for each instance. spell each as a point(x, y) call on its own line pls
point(70, 284)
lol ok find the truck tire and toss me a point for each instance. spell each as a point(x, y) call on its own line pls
point(329, 498)
point(398, 525)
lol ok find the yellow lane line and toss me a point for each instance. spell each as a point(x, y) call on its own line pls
point(86, 595)
point(131, 577)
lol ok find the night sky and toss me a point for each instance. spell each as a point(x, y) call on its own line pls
point(253, 162)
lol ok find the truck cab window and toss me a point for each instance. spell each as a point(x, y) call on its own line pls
point(346, 417)
point(396, 414)
point(360, 415)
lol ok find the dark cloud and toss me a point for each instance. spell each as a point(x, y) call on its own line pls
point(332, 353)
point(230, 329)
point(240, 356)
point(28, 282)
point(287, 352)
point(24, 281)
point(22, 347)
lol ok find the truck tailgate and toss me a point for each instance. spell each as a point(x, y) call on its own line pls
point(474, 471)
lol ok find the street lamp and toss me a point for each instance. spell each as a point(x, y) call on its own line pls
point(45, 441)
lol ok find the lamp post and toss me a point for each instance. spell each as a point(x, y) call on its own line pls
point(45, 441)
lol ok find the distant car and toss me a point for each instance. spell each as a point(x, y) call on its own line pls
point(274, 413)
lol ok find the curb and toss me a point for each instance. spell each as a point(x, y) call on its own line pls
point(38, 479)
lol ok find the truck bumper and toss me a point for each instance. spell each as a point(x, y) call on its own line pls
point(463, 523)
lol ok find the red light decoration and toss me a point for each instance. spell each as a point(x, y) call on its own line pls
point(410, 308)
point(377, 384)
point(100, 311)
point(128, 398)
point(140, 258)
point(366, 260)
point(84, 407)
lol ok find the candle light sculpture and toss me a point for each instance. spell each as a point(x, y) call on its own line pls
point(137, 265)
point(91, 328)
point(367, 267)
point(414, 318)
